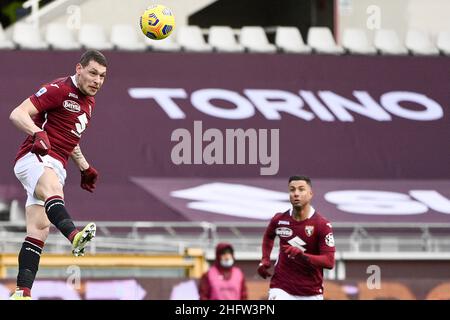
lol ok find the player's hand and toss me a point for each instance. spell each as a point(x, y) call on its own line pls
point(41, 144)
point(291, 251)
point(263, 267)
point(88, 179)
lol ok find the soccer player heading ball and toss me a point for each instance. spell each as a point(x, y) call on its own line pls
point(54, 118)
point(306, 247)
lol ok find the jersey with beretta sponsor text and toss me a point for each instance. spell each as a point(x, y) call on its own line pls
point(64, 113)
point(315, 236)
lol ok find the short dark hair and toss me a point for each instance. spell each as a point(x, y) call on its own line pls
point(95, 55)
point(302, 178)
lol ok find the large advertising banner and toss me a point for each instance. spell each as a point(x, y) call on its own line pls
point(187, 289)
point(372, 131)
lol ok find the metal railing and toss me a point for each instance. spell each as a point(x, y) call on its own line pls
point(145, 236)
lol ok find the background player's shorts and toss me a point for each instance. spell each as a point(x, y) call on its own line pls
point(30, 168)
point(279, 294)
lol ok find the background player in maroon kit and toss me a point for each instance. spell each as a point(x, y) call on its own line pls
point(54, 119)
point(306, 247)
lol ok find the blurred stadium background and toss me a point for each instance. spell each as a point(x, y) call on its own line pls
point(358, 89)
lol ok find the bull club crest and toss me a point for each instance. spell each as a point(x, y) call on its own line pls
point(309, 230)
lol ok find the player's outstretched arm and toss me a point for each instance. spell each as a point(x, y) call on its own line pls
point(22, 115)
point(324, 260)
point(79, 159)
point(89, 175)
point(267, 246)
point(267, 243)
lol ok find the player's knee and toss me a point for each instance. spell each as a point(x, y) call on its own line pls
point(45, 191)
point(54, 190)
point(48, 185)
point(39, 232)
point(44, 232)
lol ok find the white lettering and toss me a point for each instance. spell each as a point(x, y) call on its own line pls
point(432, 199)
point(226, 199)
point(164, 97)
point(271, 102)
point(375, 202)
point(368, 106)
point(316, 106)
point(391, 102)
point(201, 99)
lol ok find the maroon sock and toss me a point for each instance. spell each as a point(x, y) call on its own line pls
point(26, 291)
point(72, 235)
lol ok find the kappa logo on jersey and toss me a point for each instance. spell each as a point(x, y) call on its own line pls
point(71, 106)
point(73, 95)
point(329, 224)
point(329, 240)
point(283, 222)
point(41, 92)
point(309, 230)
point(283, 232)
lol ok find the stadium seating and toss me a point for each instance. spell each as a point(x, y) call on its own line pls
point(254, 39)
point(4, 208)
point(125, 37)
point(388, 43)
point(356, 42)
point(443, 42)
point(221, 38)
point(289, 39)
point(322, 41)
point(191, 39)
point(93, 36)
point(419, 43)
point(4, 42)
point(60, 37)
point(27, 36)
point(169, 44)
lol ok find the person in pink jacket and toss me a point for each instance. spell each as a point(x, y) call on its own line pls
point(223, 280)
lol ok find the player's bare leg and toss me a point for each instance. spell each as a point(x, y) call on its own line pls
point(50, 190)
point(38, 227)
point(38, 219)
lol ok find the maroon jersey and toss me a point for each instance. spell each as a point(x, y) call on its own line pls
point(315, 235)
point(64, 113)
